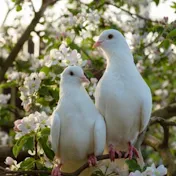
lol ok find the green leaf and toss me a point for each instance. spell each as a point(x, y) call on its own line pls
point(18, 8)
point(172, 33)
point(173, 5)
point(45, 69)
point(45, 132)
point(165, 43)
point(28, 163)
point(48, 152)
point(133, 165)
point(156, 1)
point(8, 84)
point(29, 145)
point(98, 173)
point(19, 144)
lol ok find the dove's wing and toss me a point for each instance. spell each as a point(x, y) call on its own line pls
point(99, 136)
point(145, 112)
point(55, 132)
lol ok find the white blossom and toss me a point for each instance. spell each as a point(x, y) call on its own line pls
point(136, 173)
point(31, 86)
point(63, 57)
point(4, 98)
point(151, 171)
point(26, 99)
point(31, 123)
point(92, 87)
point(140, 66)
point(4, 138)
point(47, 162)
point(32, 83)
point(14, 75)
point(35, 63)
point(10, 161)
point(42, 75)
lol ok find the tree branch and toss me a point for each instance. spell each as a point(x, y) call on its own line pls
point(162, 146)
point(166, 112)
point(158, 145)
point(76, 173)
point(9, 61)
point(162, 121)
point(152, 141)
point(164, 152)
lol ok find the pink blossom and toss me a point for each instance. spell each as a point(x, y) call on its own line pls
point(9, 161)
point(89, 62)
point(16, 125)
point(166, 19)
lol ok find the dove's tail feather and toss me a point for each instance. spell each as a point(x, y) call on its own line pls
point(70, 167)
point(140, 160)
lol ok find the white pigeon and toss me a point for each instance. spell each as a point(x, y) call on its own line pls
point(122, 96)
point(78, 131)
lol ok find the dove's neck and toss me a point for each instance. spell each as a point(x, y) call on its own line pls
point(70, 89)
point(119, 59)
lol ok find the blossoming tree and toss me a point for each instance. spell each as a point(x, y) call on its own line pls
point(61, 33)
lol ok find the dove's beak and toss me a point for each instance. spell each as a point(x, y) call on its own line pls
point(97, 44)
point(84, 79)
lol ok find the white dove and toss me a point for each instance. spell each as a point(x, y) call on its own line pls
point(121, 96)
point(78, 131)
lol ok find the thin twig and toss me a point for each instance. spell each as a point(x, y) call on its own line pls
point(33, 8)
point(130, 13)
point(156, 39)
point(134, 14)
point(9, 10)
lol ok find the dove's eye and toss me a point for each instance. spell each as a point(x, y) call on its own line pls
point(110, 36)
point(71, 73)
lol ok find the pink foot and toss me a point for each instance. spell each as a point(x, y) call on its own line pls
point(92, 160)
point(131, 151)
point(113, 152)
point(56, 171)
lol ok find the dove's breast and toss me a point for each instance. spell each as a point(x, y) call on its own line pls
point(77, 127)
point(119, 100)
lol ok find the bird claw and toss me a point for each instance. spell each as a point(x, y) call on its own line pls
point(56, 171)
point(92, 160)
point(132, 151)
point(113, 152)
point(119, 154)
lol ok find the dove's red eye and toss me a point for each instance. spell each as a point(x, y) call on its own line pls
point(71, 73)
point(110, 36)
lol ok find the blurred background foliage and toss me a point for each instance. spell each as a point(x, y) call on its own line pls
point(29, 45)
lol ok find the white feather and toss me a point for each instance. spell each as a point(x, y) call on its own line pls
point(82, 129)
point(122, 96)
point(99, 136)
point(55, 131)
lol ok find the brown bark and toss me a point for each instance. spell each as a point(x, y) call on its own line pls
point(12, 56)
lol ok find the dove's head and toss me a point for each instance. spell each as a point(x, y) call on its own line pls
point(73, 75)
point(112, 42)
